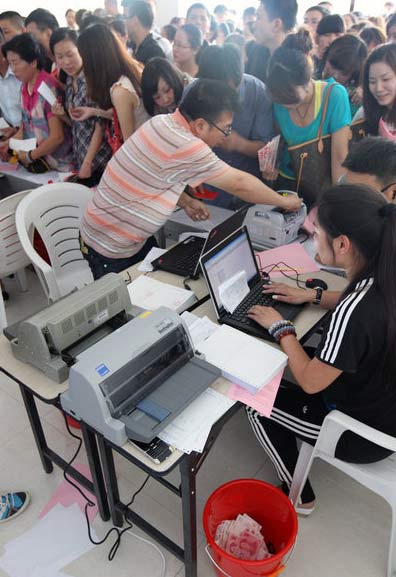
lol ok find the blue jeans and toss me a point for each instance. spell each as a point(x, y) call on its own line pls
point(101, 265)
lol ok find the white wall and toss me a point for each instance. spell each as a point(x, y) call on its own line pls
point(169, 8)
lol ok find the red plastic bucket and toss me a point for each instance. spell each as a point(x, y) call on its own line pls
point(265, 504)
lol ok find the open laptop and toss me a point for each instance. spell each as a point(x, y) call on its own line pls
point(231, 256)
point(183, 259)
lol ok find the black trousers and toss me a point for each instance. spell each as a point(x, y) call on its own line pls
point(101, 265)
point(297, 415)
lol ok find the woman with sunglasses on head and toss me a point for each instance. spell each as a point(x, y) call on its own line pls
point(353, 368)
point(379, 92)
point(299, 105)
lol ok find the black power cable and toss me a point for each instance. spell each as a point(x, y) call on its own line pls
point(90, 503)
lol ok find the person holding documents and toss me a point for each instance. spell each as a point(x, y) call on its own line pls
point(148, 176)
point(353, 369)
point(26, 59)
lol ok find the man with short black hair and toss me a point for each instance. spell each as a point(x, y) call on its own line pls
point(328, 29)
point(139, 23)
point(11, 24)
point(275, 19)
point(41, 24)
point(372, 161)
point(148, 176)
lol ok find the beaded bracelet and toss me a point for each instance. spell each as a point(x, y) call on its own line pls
point(286, 334)
point(277, 325)
point(283, 332)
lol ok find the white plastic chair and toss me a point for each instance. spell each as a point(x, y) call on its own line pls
point(13, 259)
point(379, 477)
point(55, 210)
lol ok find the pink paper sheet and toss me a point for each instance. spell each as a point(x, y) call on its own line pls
point(293, 255)
point(263, 400)
point(66, 495)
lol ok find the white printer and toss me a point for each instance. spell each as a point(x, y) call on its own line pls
point(270, 227)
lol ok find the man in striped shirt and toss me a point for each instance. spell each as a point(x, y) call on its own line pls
point(148, 176)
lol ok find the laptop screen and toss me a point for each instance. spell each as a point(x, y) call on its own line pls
point(228, 259)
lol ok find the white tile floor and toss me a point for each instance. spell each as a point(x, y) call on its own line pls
point(347, 535)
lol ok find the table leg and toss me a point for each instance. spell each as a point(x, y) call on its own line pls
point(37, 429)
point(110, 478)
point(189, 508)
point(96, 471)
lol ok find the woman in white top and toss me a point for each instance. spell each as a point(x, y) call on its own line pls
point(113, 80)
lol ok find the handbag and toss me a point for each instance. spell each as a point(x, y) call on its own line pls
point(359, 130)
point(311, 161)
point(38, 166)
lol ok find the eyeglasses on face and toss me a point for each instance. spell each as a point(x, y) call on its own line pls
point(226, 132)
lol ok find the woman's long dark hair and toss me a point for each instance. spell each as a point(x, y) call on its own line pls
point(372, 110)
point(105, 60)
point(364, 216)
point(155, 69)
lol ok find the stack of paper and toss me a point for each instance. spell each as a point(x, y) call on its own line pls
point(242, 359)
point(263, 400)
point(150, 294)
point(200, 328)
point(190, 430)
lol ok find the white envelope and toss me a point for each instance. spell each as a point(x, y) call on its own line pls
point(47, 93)
point(24, 145)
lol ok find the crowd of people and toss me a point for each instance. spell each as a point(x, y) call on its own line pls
point(157, 118)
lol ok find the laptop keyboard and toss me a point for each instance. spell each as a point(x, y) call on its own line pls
point(255, 297)
point(189, 261)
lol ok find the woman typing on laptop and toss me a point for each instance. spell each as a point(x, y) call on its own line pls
point(354, 365)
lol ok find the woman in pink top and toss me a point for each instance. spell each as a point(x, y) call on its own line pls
point(26, 59)
point(379, 92)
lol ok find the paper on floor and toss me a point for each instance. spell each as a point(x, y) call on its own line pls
point(37, 547)
point(67, 495)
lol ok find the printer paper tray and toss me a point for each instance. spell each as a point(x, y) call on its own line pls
point(168, 400)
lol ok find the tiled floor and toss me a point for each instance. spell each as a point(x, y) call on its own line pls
point(347, 535)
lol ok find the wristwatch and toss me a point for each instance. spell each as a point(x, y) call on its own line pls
point(29, 157)
point(318, 297)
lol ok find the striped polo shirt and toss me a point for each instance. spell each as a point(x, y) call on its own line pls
point(143, 182)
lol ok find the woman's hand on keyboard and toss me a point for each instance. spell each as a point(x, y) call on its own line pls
point(264, 316)
point(288, 294)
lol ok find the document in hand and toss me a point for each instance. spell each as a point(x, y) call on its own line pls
point(244, 360)
point(150, 294)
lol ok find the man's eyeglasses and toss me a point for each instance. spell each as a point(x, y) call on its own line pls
point(226, 132)
point(388, 186)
